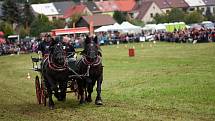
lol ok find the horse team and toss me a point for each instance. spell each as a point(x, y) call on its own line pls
point(57, 70)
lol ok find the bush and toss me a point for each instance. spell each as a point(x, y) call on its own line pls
point(194, 17)
point(7, 28)
point(177, 15)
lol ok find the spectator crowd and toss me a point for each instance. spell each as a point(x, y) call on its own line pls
point(107, 38)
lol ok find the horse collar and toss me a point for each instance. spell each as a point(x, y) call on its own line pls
point(94, 63)
point(56, 67)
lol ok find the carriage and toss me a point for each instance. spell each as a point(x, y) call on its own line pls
point(39, 82)
point(40, 88)
point(60, 74)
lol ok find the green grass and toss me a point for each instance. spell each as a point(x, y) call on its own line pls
point(164, 82)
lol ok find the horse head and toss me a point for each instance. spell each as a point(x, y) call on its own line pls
point(57, 54)
point(91, 48)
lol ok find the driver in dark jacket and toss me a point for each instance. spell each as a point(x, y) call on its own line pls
point(43, 47)
point(70, 52)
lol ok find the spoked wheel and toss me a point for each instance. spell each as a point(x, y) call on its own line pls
point(43, 94)
point(38, 89)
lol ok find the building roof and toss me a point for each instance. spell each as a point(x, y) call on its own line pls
point(99, 19)
point(62, 6)
point(209, 2)
point(77, 9)
point(162, 4)
point(125, 5)
point(142, 8)
point(194, 3)
point(177, 3)
point(118, 5)
point(46, 9)
point(92, 6)
point(107, 6)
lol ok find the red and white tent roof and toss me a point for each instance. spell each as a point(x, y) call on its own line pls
point(70, 31)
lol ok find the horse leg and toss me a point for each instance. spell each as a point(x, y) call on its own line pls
point(90, 90)
point(49, 91)
point(98, 100)
point(81, 91)
point(51, 102)
point(63, 88)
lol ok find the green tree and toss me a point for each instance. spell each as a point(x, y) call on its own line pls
point(23, 32)
point(161, 18)
point(40, 24)
point(176, 15)
point(75, 19)
point(194, 17)
point(136, 22)
point(209, 16)
point(119, 16)
point(27, 15)
point(58, 23)
point(7, 29)
point(10, 11)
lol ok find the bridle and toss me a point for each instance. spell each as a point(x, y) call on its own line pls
point(57, 67)
point(96, 61)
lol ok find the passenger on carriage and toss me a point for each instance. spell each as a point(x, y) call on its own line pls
point(68, 47)
point(43, 47)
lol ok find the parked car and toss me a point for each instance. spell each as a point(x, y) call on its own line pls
point(208, 24)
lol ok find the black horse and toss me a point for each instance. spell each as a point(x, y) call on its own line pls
point(90, 65)
point(55, 73)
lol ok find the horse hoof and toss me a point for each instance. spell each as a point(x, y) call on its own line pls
point(51, 107)
point(81, 102)
point(89, 100)
point(98, 102)
point(61, 99)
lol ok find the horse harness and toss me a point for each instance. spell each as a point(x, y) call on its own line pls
point(91, 64)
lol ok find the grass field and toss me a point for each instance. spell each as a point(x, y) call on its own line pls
point(164, 82)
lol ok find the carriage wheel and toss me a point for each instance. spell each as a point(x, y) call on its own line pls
point(43, 94)
point(38, 89)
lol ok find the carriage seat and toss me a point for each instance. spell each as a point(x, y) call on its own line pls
point(72, 63)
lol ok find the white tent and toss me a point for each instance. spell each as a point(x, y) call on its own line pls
point(130, 28)
point(127, 25)
point(161, 27)
point(103, 28)
point(115, 27)
point(150, 27)
point(154, 27)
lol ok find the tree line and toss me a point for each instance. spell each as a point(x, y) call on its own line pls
point(178, 15)
point(19, 19)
